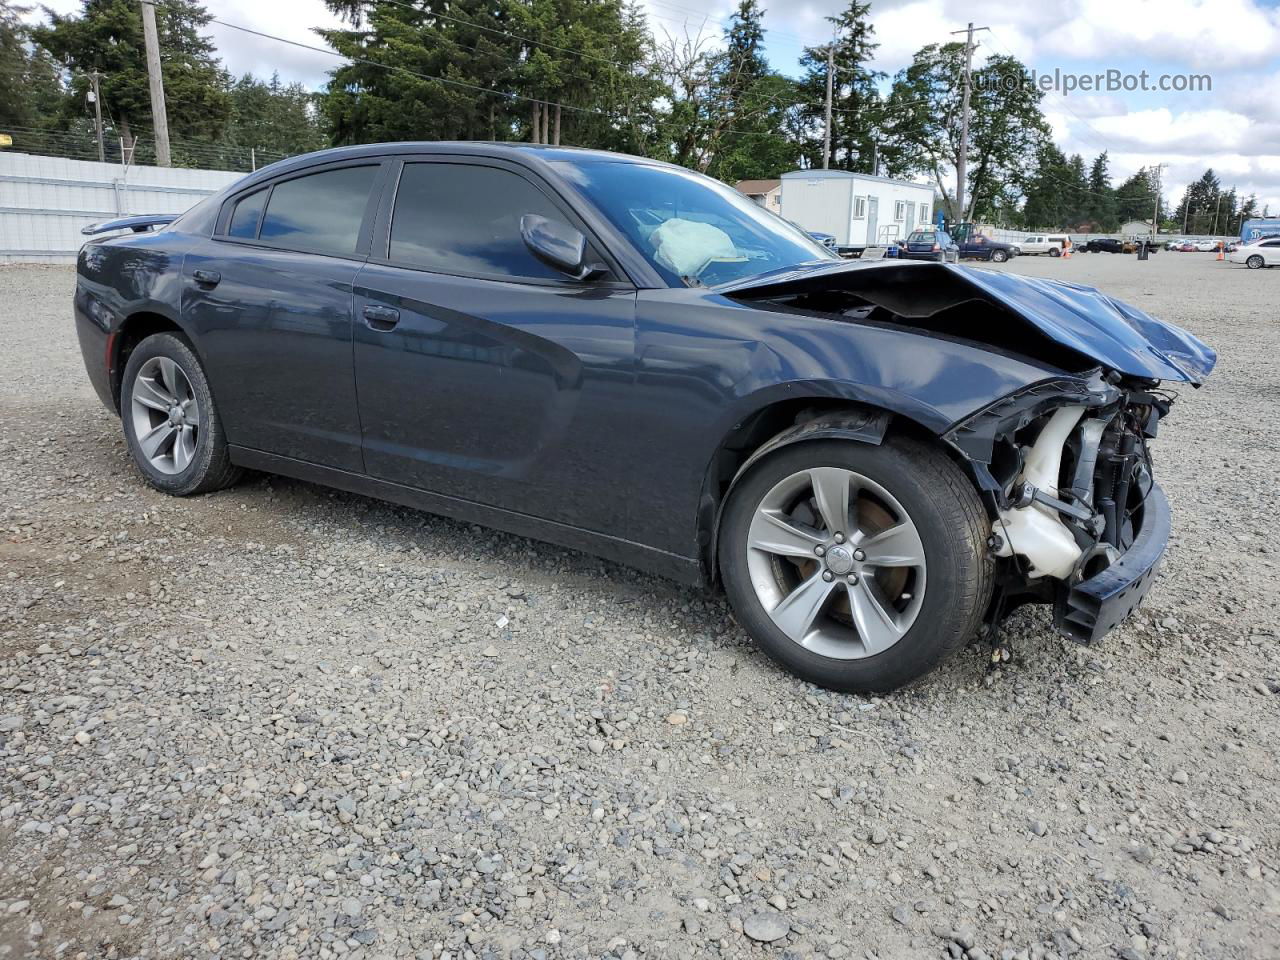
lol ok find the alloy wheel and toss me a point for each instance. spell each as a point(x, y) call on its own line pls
point(836, 563)
point(166, 415)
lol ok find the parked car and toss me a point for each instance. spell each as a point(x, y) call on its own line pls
point(1259, 254)
point(626, 357)
point(1102, 245)
point(1205, 246)
point(826, 239)
point(1051, 244)
point(929, 245)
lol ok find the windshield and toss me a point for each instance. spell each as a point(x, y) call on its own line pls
point(692, 229)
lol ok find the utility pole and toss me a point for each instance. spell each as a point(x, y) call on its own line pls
point(826, 137)
point(962, 161)
point(158, 115)
point(1216, 207)
point(95, 93)
point(1155, 216)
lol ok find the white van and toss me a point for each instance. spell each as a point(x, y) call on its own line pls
point(1051, 244)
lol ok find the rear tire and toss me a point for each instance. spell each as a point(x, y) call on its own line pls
point(1055, 252)
point(170, 423)
point(933, 585)
point(1255, 262)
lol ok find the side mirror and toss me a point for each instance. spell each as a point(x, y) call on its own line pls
point(559, 246)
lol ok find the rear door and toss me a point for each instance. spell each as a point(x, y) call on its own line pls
point(270, 300)
point(484, 374)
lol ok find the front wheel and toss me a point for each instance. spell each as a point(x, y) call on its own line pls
point(170, 424)
point(1255, 262)
point(999, 256)
point(857, 567)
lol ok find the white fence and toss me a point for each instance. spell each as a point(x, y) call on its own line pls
point(44, 201)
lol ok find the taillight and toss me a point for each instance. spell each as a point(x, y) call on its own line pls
point(936, 248)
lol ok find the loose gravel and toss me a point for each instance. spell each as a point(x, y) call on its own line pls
point(285, 722)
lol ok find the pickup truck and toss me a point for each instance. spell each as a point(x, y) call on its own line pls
point(1102, 245)
point(1052, 244)
point(980, 247)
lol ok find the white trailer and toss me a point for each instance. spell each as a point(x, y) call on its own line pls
point(859, 210)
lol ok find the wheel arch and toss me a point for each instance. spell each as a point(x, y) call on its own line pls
point(781, 424)
point(133, 329)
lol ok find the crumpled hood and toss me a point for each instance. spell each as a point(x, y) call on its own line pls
point(1117, 335)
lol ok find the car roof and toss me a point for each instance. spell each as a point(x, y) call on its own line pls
point(538, 153)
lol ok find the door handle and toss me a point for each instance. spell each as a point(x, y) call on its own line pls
point(206, 278)
point(381, 318)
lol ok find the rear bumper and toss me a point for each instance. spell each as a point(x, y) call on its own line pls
point(1093, 607)
point(96, 343)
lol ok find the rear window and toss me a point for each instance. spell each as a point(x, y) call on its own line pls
point(244, 221)
point(321, 212)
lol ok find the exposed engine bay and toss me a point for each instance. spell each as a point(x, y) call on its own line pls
point(1071, 490)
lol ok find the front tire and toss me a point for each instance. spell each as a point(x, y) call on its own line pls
point(170, 423)
point(1255, 262)
point(872, 606)
point(999, 256)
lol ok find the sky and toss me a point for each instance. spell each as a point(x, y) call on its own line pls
point(1234, 127)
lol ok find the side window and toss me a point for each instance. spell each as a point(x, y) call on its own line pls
point(244, 220)
point(924, 213)
point(321, 212)
point(900, 210)
point(463, 219)
point(1272, 243)
point(859, 208)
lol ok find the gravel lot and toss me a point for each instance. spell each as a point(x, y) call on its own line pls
point(284, 722)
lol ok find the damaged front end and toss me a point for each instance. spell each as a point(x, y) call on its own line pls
point(1078, 519)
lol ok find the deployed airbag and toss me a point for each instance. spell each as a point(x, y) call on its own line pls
point(685, 247)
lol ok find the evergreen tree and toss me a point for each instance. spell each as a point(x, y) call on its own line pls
point(856, 107)
point(31, 92)
point(1102, 202)
point(274, 118)
point(1135, 198)
point(1200, 202)
point(106, 36)
point(753, 105)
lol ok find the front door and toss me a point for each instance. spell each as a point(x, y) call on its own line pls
point(484, 374)
point(269, 300)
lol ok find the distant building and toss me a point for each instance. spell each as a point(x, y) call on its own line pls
point(1135, 228)
point(858, 209)
point(767, 193)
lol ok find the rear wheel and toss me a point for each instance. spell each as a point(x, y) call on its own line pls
point(1255, 262)
point(1055, 252)
point(857, 567)
point(170, 423)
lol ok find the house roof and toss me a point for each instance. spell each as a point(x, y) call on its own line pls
point(753, 187)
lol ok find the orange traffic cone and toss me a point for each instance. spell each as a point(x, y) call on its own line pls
point(1066, 250)
point(1220, 256)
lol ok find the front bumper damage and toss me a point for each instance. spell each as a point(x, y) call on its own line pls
point(1077, 519)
